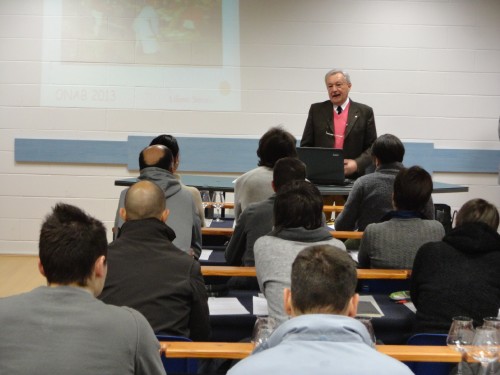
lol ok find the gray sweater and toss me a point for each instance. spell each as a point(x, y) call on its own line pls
point(371, 198)
point(274, 255)
point(66, 330)
point(394, 243)
point(253, 186)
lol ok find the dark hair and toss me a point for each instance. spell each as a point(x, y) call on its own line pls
point(275, 144)
point(298, 204)
point(164, 161)
point(478, 210)
point(388, 149)
point(323, 279)
point(412, 189)
point(287, 170)
point(168, 141)
point(70, 243)
point(144, 200)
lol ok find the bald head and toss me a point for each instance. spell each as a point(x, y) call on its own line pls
point(156, 156)
point(144, 200)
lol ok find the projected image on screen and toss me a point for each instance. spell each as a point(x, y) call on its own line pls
point(151, 54)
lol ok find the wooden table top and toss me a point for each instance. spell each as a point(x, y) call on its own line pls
point(240, 350)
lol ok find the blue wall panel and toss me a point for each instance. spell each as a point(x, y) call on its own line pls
point(231, 155)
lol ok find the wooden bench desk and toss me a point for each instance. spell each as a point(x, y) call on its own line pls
point(250, 271)
point(240, 350)
point(228, 232)
point(326, 208)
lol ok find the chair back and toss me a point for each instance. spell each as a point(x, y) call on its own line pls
point(177, 365)
point(429, 368)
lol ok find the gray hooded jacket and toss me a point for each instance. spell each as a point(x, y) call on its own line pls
point(183, 218)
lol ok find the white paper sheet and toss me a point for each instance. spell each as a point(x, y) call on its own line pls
point(369, 307)
point(259, 306)
point(411, 306)
point(226, 306)
point(205, 254)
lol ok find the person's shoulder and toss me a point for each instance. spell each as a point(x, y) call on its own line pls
point(360, 106)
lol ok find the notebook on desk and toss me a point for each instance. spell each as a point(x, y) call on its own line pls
point(324, 166)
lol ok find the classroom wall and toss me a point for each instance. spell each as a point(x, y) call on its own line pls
point(430, 69)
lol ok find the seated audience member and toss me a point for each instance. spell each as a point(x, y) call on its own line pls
point(459, 276)
point(371, 195)
point(156, 164)
point(148, 273)
point(257, 219)
point(170, 142)
point(394, 242)
point(321, 337)
point(298, 223)
point(62, 328)
point(255, 185)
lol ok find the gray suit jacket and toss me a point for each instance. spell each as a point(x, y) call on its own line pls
point(360, 131)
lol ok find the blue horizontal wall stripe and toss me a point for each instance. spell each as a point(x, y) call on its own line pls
point(231, 155)
point(69, 151)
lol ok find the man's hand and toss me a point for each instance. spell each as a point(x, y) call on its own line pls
point(350, 167)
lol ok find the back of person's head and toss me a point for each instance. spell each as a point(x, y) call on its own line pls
point(412, 189)
point(324, 279)
point(144, 200)
point(168, 141)
point(287, 170)
point(70, 243)
point(298, 204)
point(158, 156)
point(388, 149)
point(275, 144)
point(478, 210)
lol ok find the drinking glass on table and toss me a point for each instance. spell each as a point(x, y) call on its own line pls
point(492, 321)
point(460, 337)
point(484, 347)
point(218, 203)
point(262, 329)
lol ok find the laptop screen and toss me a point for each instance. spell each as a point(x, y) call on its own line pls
point(324, 166)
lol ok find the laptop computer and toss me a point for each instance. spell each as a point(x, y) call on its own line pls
point(324, 166)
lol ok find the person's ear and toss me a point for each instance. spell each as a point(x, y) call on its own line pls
point(164, 215)
point(352, 308)
point(273, 185)
point(100, 267)
point(287, 301)
point(40, 268)
point(376, 161)
point(123, 213)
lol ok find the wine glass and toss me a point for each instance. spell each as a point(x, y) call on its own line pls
point(484, 347)
point(492, 321)
point(262, 329)
point(367, 322)
point(206, 201)
point(218, 202)
point(460, 337)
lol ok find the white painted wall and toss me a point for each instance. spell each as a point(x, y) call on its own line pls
point(430, 69)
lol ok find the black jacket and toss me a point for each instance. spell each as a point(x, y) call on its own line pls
point(457, 276)
point(148, 273)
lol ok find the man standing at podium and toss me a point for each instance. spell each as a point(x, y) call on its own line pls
point(342, 123)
